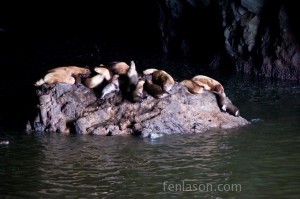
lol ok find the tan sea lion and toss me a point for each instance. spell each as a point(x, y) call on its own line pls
point(65, 74)
point(96, 80)
point(212, 83)
point(154, 89)
point(53, 78)
point(111, 87)
point(161, 78)
point(132, 75)
point(192, 86)
point(74, 70)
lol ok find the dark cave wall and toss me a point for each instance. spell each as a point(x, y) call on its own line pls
point(258, 36)
point(189, 28)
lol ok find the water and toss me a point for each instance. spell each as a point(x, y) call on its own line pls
point(257, 161)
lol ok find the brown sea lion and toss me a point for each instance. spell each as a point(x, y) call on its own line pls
point(192, 86)
point(154, 89)
point(212, 83)
point(161, 78)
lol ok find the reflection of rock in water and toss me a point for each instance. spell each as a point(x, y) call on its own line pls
point(70, 107)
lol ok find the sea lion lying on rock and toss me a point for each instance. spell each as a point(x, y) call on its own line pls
point(212, 84)
point(192, 86)
point(64, 74)
point(216, 87)
point(154, 89)
point(161, 78)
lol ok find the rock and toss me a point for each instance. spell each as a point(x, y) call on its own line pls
point(64, 108)
point(260, 36)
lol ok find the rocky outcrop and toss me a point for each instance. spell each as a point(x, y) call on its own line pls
point(258, 35)
point(259, 38)
point(67, 108)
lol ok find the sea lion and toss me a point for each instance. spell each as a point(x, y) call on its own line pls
point(112, 86)
point(65, 74)
point(99, 78)
point(75, 71)
point(213, 84)
point(161, 78)
point(55, 77)
point(154, 89)
point(137, 94)
point(192, 86)
point(119, 68)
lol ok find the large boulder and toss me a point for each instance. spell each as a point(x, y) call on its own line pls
point(71, 108)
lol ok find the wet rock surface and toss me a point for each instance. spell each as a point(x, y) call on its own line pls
point(76, 108)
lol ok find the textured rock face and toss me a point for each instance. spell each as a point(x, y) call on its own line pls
point(259, 38)
point(257, 34)
point(70, 107)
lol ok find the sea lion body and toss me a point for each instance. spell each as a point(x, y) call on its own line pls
point(232, 109)
point(111, 87)
point(213, 84)
point(119, 68)
point(192, 86)
point(161, 78)
point(154, 89)
point(73, 70)
point(103, 73)
point(53, 78)
point(94, 81)
point(226, 105)
point(137, 94)
point(64, 74)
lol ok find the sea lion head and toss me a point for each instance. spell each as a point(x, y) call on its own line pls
point(86, 71)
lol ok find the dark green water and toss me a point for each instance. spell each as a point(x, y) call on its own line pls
point(261, 160)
